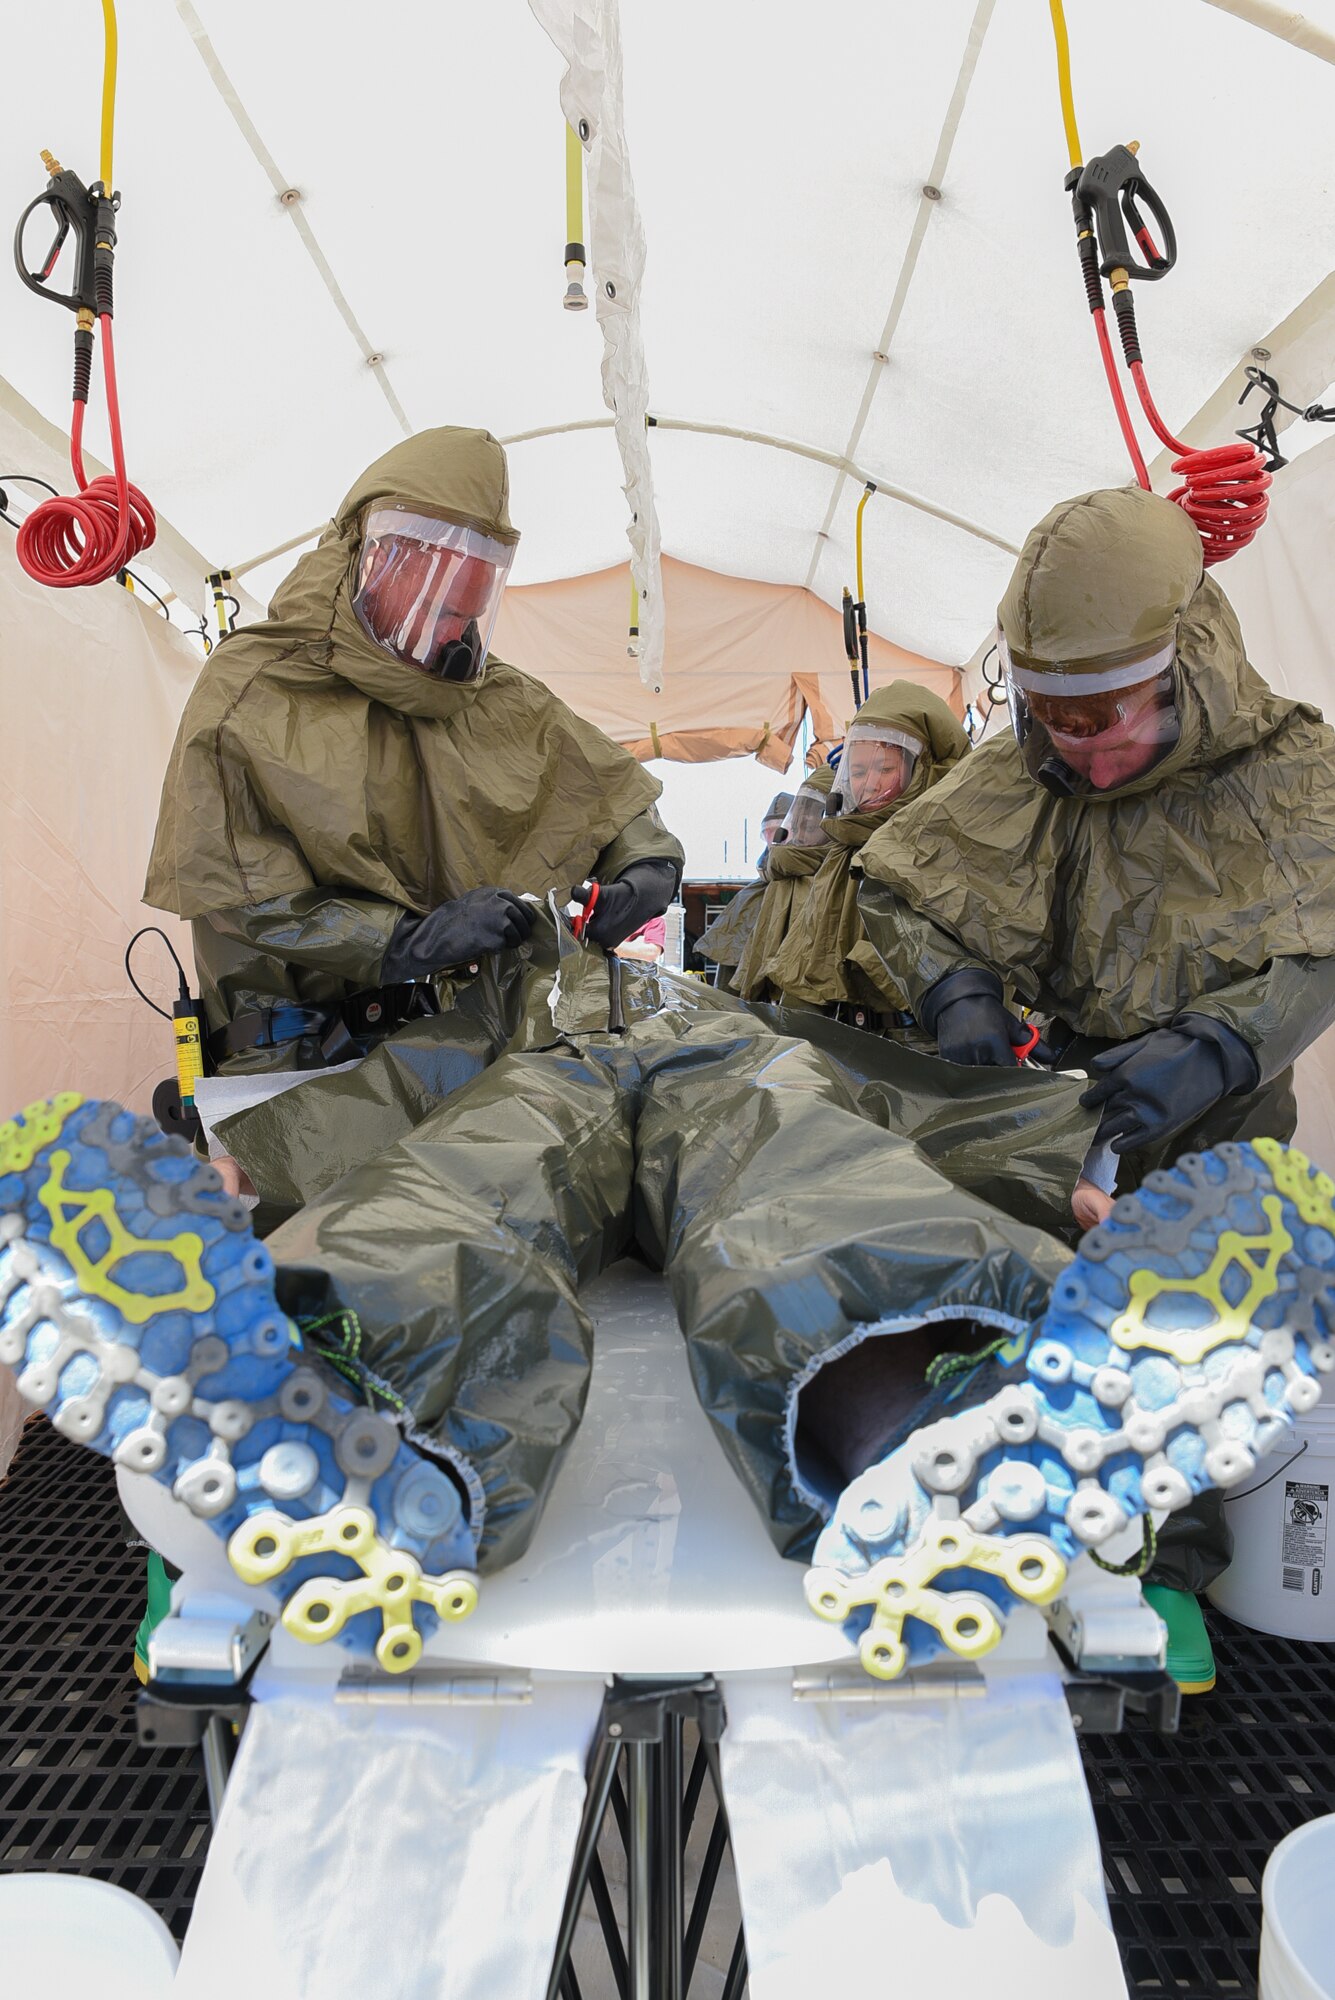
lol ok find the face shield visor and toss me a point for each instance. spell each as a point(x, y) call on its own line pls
point(1097, 728)
point(772, 824)
point(876, 767)
point(803, 823)
point(428, 591)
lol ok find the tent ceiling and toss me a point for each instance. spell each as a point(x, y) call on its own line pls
point(779, 173)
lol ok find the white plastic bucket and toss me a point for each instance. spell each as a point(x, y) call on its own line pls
point(69, 1937)
point(1282, 1576)
point(1298, 1916)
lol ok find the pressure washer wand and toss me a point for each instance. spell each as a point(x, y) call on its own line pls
point(851, 647)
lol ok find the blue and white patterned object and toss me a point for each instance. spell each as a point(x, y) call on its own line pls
point(138, 1310)
point(1189, 1330)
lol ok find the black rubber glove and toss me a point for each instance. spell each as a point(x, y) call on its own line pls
point(641, 891)
point(966, 1013)
point(1151, 1087)
point(455, 933)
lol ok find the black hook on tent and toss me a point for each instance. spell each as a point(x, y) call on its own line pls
point(1262, 433)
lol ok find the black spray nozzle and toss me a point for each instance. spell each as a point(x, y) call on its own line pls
point(1110, 189)
point(90, 214)
point(850, 627)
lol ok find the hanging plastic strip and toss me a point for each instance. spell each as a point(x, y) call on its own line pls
point(588, 35)
point(1224, 490)
point(88, 536)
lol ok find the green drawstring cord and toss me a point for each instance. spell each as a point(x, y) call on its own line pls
point(943, 1366)
point(1136, 1565)
point(341, 1347)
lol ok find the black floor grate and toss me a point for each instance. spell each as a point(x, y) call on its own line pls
point(1186, 1822)
point(77, 1793)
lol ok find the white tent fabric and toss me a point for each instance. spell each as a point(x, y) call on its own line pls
point(799, 285)
point(1283, 590)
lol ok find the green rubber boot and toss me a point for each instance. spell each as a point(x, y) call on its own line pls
point(1190, 1654)
point(159, 1604)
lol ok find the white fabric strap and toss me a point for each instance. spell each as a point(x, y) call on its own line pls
point(1058, 681)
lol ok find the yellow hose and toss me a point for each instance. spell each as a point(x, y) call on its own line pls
point(862, 596)
point(1064, 82)
point(108, 89)
point(574, 186)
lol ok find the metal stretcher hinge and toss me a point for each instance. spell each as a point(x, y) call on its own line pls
point(457, 1690)
point(938, 1683)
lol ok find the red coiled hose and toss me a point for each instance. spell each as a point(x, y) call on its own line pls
point(86, 537)
point(1224, 490)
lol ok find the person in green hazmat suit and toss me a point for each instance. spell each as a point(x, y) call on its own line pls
point(902, 741)
point(1148, 861)
point(793, 861)
point(360, 794)
point(724, 941)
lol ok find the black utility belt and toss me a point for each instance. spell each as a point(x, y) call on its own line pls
point(876, 1020)
point(340, 1030)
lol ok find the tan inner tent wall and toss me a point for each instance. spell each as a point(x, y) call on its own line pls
point(92, 684)
point(745, 662)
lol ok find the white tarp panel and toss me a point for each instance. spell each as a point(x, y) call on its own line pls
point(970, 1865)
point(392, 1848)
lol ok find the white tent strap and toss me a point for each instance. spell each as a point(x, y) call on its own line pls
point(885, 488)
point(1285, 22)
point(927, 203)
point(588, 35)
point(285, 191)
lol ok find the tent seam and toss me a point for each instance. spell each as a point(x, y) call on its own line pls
point(231, 97)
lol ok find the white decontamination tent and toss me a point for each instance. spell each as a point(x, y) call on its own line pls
point(858, 266)
point(833, 277)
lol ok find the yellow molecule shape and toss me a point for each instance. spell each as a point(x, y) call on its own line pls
point(1231, 1323)
point(71, 1210)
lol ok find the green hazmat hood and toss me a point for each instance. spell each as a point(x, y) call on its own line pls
point(308, 757)
point(1114, 911)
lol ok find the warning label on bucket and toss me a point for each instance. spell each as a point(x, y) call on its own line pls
point(1306, 1512)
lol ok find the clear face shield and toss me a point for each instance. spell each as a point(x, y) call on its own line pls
point(875, 768)
point(1098, 728)
point(428, 591)
point(804, 825)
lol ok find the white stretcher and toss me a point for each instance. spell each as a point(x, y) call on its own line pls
point(415, 1836)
